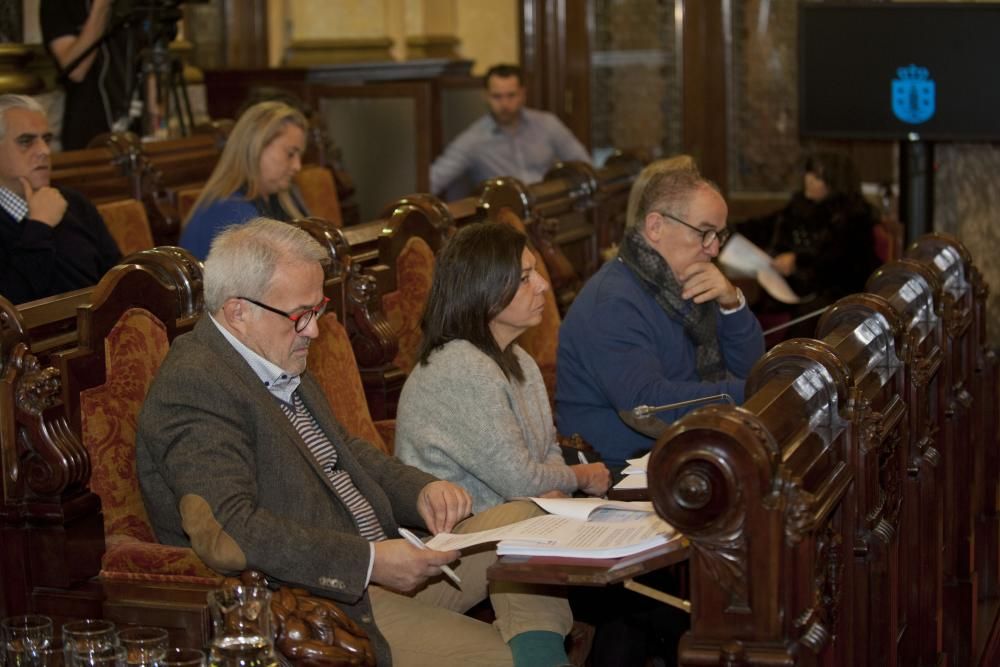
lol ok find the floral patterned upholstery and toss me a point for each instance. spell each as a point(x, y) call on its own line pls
point(134, 349)
point(332, 363)
point(128, 225)
point(405, 307)
point(540, 341)
point(319, 193)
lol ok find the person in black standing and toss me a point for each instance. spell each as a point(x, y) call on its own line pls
point(97, 87)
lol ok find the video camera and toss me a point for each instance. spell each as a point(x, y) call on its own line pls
point(153, 21)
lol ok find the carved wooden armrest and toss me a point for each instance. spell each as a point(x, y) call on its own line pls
point(311, 631)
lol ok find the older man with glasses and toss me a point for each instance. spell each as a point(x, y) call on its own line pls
point(658, 325)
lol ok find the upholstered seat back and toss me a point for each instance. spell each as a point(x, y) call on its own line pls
point(185, 201)
point(332, 364)
point(128, 225)
point(319, 193)
point(404, 307)
point(134, 349)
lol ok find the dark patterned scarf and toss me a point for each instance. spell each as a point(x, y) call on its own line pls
point(698, 319)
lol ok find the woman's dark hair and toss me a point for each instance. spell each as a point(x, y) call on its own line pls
point(476, 276)
point(837, 171)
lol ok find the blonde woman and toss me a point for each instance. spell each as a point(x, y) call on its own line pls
point(254, 175)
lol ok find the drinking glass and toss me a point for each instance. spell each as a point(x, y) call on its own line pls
point(24, 637)
point(81, 638)
point(106, 656)
point(143, 645)
point(51, 656)
point(183, 657)
point(241, 627)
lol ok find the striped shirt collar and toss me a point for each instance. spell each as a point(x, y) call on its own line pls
point(278, 382)
point(14, 204)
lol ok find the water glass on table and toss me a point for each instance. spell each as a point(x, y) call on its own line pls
point(144, 645)
point(183, 657)
point(86, 637)
point(109, 656)
point(242, 633)
point(24, 637)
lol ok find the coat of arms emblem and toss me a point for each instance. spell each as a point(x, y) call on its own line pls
point(913, 95)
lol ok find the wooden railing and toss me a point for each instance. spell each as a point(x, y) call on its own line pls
point(846, 513)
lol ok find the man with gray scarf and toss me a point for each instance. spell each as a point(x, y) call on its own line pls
point(659, 324)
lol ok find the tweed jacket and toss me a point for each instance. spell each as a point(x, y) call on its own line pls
point(222, 469)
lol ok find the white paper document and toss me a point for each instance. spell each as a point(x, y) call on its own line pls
point(634, 481)
point(639, 465)
point(741, 257)
point(586, 508)
point(618, 533)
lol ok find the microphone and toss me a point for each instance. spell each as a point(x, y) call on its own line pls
point(640, 418)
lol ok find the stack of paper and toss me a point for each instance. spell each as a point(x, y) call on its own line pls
point(740, 257)
point(577, 528)
point(634, 475)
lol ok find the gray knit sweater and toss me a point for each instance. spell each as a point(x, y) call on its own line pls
point(461, 419)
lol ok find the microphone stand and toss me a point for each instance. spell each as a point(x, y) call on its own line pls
point(640, 418)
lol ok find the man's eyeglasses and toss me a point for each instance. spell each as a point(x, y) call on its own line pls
point(707, 235)
point(301, 319)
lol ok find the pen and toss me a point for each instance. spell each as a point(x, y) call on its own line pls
point(417, 542)
point(581, 457)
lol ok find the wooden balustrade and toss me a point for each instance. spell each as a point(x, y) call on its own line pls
point(846, 513)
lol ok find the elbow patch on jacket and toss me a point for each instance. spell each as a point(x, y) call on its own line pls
point(212, 544)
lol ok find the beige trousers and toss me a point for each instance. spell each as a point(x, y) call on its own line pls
point(427, 627)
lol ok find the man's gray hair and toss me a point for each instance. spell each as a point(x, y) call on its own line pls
point(243, 259)
point(666, 184)
point(11, 101)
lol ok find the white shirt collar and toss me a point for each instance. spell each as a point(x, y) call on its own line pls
point(278, 381)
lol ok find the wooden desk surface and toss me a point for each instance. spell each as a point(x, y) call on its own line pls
point(587, 571)
point(628, 494)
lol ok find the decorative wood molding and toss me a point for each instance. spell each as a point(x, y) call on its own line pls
point(15, 75)
point(308, 52)
point(432, 46)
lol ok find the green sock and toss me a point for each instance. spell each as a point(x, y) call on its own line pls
point(538, 648)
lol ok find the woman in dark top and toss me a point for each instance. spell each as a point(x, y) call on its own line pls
point(822, 241)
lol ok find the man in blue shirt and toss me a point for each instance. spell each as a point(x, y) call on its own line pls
point(659, 324)
point(510, 140)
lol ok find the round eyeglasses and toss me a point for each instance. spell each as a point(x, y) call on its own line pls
point(708, 236)
point(301, 319)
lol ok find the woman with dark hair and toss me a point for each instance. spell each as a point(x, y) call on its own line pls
point(823, 240)
point(474, 409)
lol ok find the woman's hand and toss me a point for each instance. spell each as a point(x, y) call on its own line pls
point(784, 263)
point(592, 478)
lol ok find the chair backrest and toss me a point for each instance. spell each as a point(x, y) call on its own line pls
point(332, 363)
point(540, 341)
point(128, 225)
point(134, 350)
point(404, 307)
point(185, 202)
point(124, 335)
point(888, 236)
point(319, 193)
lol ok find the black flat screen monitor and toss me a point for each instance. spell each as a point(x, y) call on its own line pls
point(900, 71)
